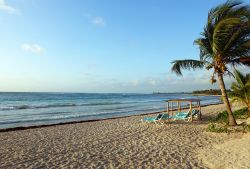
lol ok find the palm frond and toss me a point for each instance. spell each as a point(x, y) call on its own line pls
point(227, 33)
point(205, 49)
point(248, 79)
point(229, 73)
point(221, 11)
point(239, 77)
point(223, 32)
point(235, 86)
point(186, 64)
point(235, 97)
point(240, 88)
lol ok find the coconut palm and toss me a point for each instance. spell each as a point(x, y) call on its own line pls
point(241, 89)
point(224, 41)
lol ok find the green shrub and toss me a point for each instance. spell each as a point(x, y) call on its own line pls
point(213, 127)
point(220, 128)
point(220, 124)
point(238, 114)
point(221, 117)
point(241, 113)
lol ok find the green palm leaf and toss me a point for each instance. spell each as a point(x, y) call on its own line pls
point(186, 64)
point(240, 88)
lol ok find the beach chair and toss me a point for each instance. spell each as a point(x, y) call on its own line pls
point(181, 115)
point(157, 119)
point(185, 115)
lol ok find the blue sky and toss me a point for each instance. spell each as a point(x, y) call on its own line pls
point(100, 45)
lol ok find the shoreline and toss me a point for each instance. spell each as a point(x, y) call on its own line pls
point(126, 142)
point(86, 121)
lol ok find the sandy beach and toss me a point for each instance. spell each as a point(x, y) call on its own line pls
point(125, 143)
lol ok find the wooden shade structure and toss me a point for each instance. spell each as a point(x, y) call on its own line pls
point(196, 105)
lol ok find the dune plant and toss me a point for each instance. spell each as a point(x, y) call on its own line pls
point(238, 114)
point(241, 89)
point(224, 41)
point(219, 124)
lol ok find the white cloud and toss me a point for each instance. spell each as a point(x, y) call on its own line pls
point(98, 21)
point(7, 8)
point(135, 82)
point(34, 48)
point(152, 82)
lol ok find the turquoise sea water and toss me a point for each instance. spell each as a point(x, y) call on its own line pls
point(29, 109)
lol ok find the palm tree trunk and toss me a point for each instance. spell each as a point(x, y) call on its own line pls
point(231, 119)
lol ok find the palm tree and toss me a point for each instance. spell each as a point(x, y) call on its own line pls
point(224, 41)
point(241, 89)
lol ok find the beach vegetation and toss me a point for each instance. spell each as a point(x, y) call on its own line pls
point(220, 123)
point(215, 127)
point(241, 89)
point(220, 128)
point(238, 114)
point(207, 92)
point(224, 41)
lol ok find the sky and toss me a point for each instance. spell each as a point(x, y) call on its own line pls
point(101, 46)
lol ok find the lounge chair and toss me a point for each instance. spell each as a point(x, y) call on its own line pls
point(179, 116)
point(184, 115)
point(156, 119)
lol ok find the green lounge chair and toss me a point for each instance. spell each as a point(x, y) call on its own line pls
point(156, 119)
point(184, 115)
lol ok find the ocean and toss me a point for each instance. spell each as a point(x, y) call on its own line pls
point(31, 109)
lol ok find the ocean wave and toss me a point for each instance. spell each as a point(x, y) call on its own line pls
point(100, 103)
point(20, 107)
point(119, 108)
point(97, 103)
point(62, 118)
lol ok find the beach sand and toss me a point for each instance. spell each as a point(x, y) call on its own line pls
point(233, 154)
point(125, 143)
